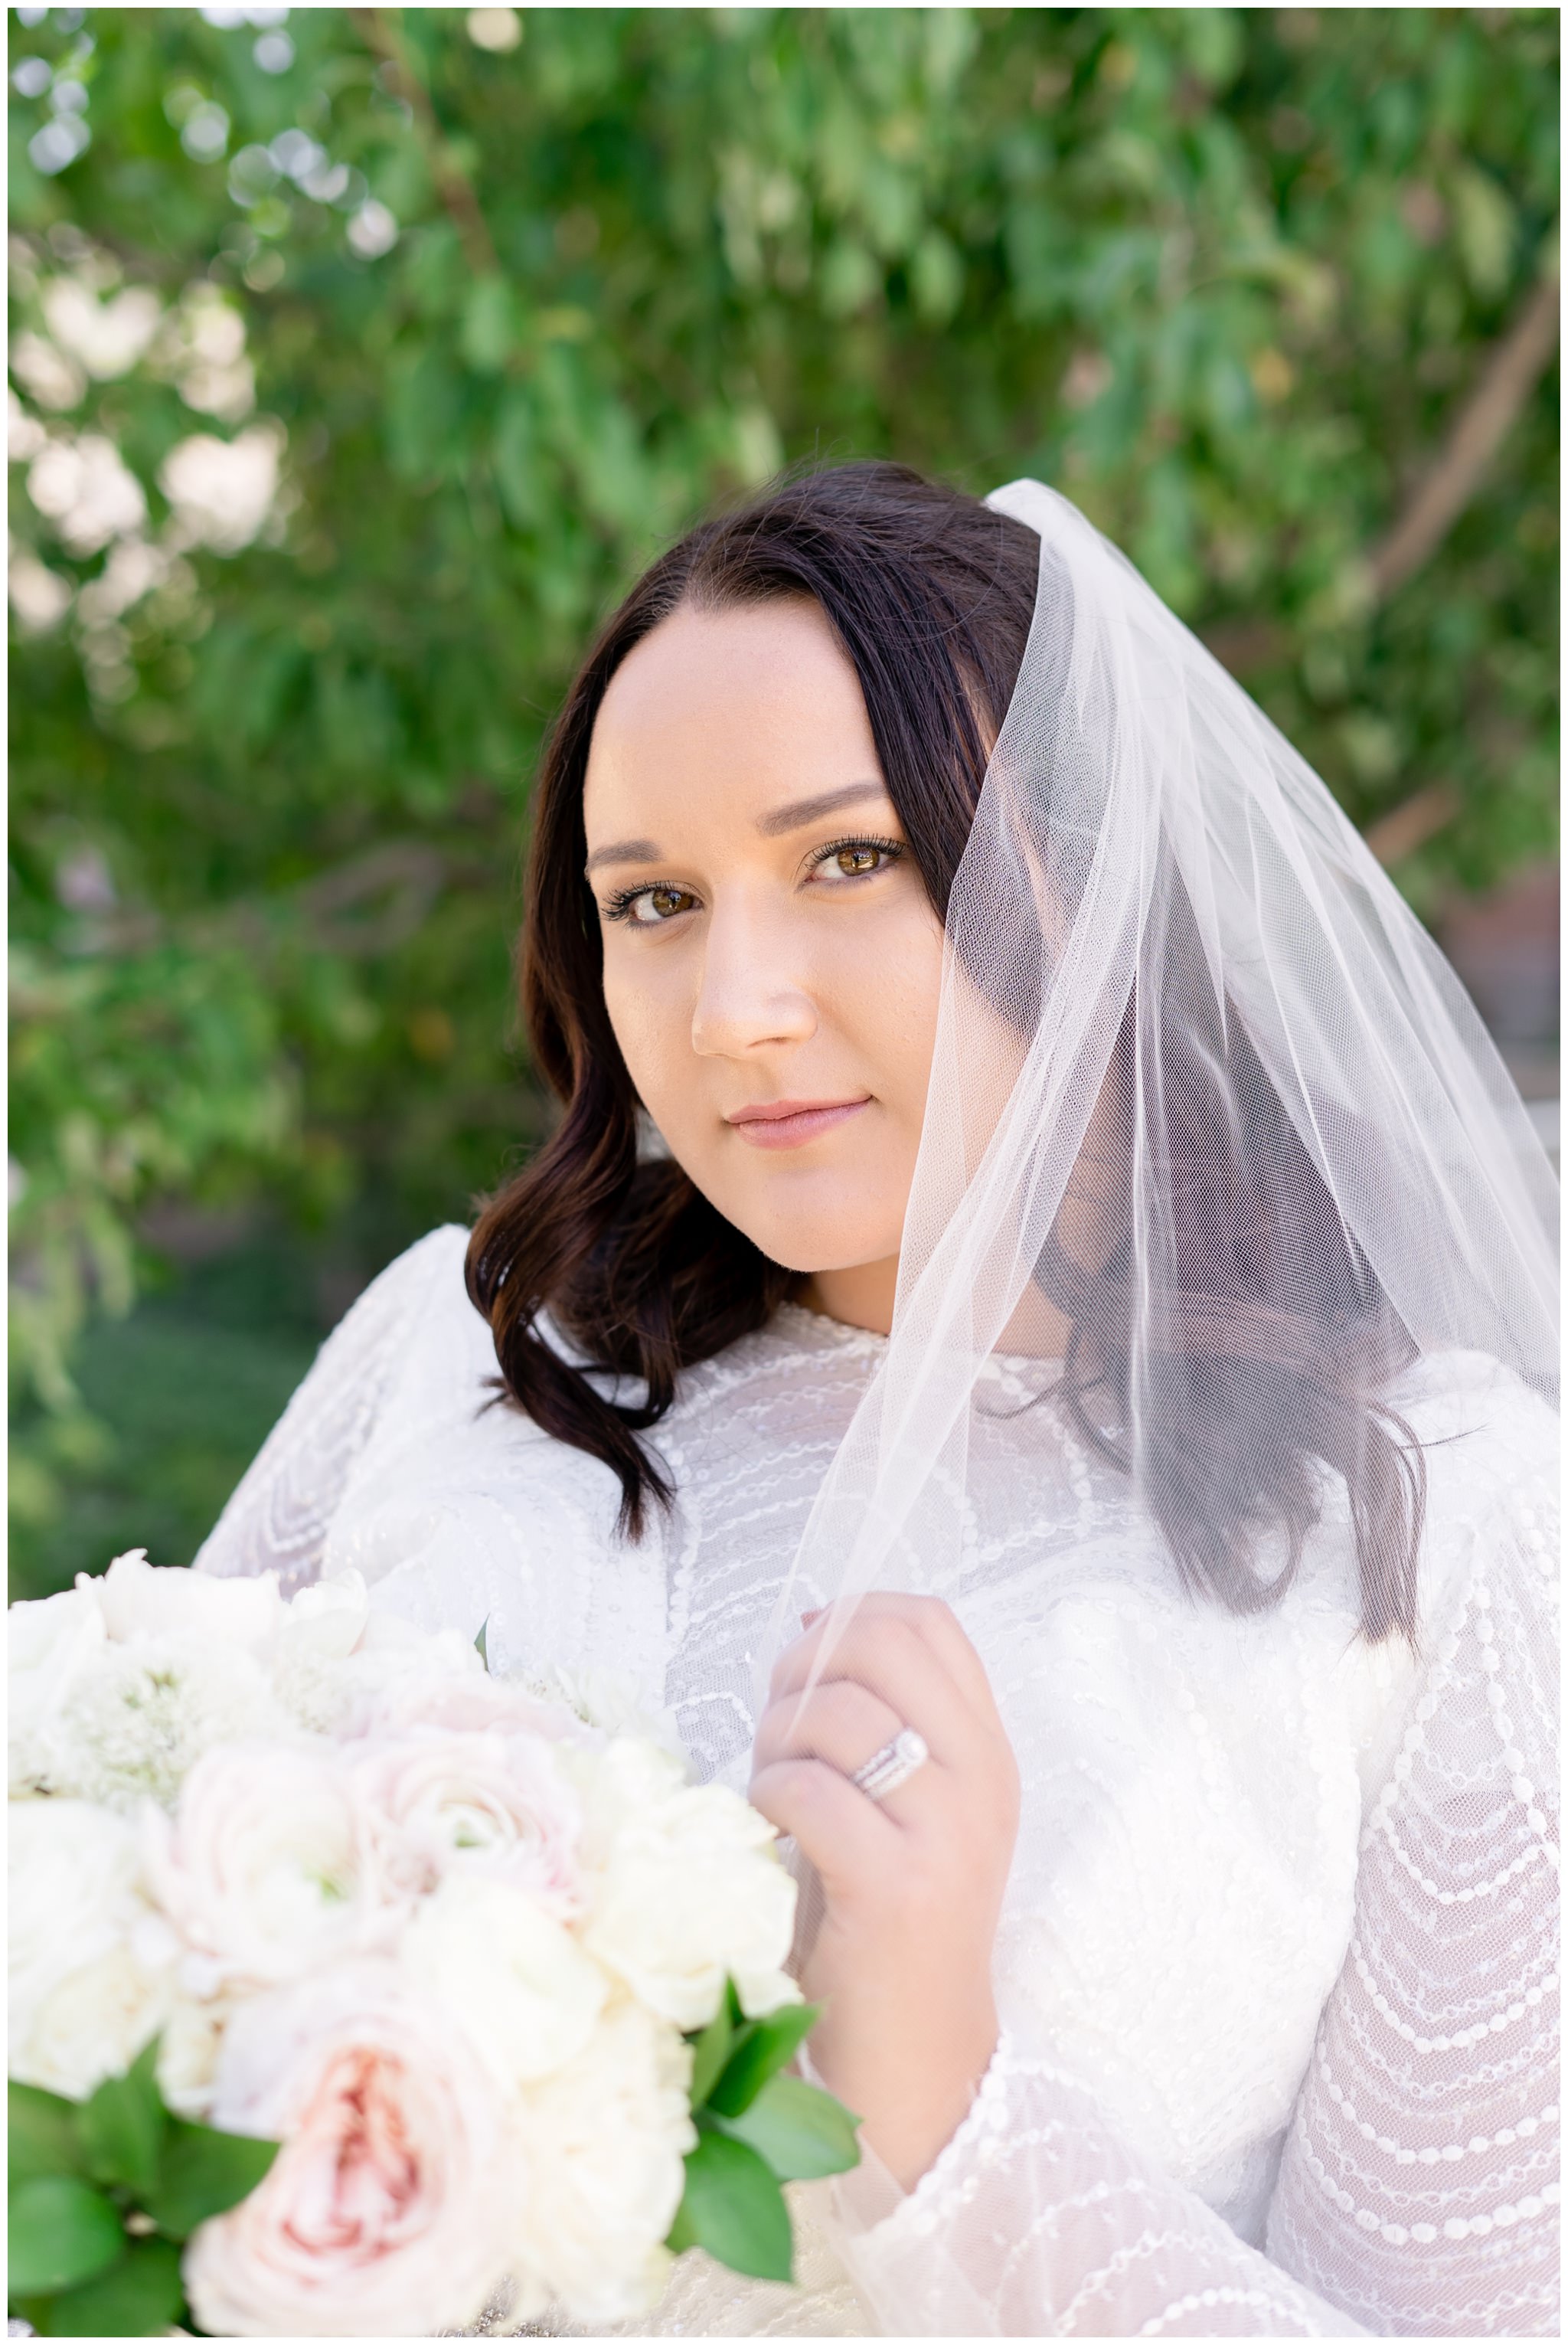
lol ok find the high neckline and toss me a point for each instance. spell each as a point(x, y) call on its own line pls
point(811, 1330)
point(799, 1320)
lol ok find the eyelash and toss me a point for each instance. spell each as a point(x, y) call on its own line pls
point(619, 907)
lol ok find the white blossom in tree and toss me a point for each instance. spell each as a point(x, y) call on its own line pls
point(222, 490)
point(373, 230)
point(24, 435)
point(203, 347)
point(86, 490)
point(133, 569)
point(39, 595)
point(45, 372)
point(107, 338)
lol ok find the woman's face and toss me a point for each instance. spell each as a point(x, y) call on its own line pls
point(772, 962)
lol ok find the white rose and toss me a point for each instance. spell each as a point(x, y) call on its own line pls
point(329, 1617)
point(392, 1664)
point(188, 2055)
point(508, 1971)
point(90, 1980)
point(493, 1801)
point(613, 1703)
point(141, 1599)
point(688, 1888)
point(93, 2024)
point(312, 1664)
point(389, 2209)
point(609, 2135)
point(269, 1865)
point(49, 1644)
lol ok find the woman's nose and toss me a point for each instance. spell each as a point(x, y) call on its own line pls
point(750, 994)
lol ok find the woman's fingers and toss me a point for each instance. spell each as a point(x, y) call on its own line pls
point(933, 1622)
point(839, 1720)
point(939, 1624)
point(885, 1651)
point(847, 1837)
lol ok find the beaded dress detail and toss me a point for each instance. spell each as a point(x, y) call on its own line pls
point(1277, 1965)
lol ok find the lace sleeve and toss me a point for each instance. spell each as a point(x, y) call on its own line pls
point(1419, 2186)
point(279, 1516)
point(1417, 2192)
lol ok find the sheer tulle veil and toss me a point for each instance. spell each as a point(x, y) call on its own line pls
point(1202, 1084)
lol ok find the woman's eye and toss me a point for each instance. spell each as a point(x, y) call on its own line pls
point(857, 858)
point(653, 904)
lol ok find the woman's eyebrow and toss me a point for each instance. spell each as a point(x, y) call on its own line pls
point(793, 816)
point(804, 810)
point(623, 850)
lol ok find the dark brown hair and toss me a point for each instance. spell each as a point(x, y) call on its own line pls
point(930, 595)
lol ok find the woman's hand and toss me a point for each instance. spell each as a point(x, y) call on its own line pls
point(913, 1883)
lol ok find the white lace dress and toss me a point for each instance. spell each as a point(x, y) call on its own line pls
point(1278, 1962)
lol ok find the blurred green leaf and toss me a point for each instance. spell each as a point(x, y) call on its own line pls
point(122, 2127)
point(800, 2130)
point(488, 327)
point(203, 2173)
point(60, 2233)
point(42, 2134)
point(760, 2048)
point(733, 2208)
point(140, 2296)
point(710, 2050)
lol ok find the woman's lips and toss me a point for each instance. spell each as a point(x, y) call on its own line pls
point(790, 1123)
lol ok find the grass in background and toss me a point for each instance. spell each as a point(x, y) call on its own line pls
point(175, 1401)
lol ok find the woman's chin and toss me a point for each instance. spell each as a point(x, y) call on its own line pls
point(815, 1250)
point(815, 1217)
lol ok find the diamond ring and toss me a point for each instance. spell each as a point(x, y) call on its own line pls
point(892, 1765)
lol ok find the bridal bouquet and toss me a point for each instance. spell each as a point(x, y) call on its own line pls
point(355, 1990)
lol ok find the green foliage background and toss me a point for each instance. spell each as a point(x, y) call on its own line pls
point(1226, 276)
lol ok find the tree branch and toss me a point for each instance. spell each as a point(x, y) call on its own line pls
point(385, 36)
point(1447, 486)
point(1511, 375)
point(1411, 823)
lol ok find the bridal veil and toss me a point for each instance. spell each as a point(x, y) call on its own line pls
point(1203, 1083)
point(1206, 1097)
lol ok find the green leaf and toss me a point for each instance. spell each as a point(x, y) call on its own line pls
point(43, 2136)
point(710, 2050)
point(60, 2232)
point(733, 2208)
point(801, 2131)
point(761, 2049)
point(489, 326)
point(137, 2296)
point(122, 2125)
point(479, 1642)
point(204, 2173)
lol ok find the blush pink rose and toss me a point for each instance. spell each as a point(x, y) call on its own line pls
point(492, 1801)
point(467, 1703)
point(270, 1866)
point(390, 2207)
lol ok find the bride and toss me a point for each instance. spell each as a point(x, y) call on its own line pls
point(1033, 1340)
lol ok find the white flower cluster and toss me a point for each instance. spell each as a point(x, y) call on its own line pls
point(434, 1931)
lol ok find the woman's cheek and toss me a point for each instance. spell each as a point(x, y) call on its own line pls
point(651, 1018)
point(882, 993)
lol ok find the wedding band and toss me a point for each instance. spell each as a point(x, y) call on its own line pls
point(892, 1765)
